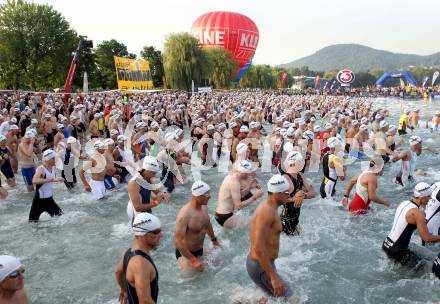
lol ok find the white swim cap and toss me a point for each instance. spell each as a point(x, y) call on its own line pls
point(363, 128)
point(151, 164)
point(2, 137)
point(71, 140)
point(414, 140)
point(199, 188)
point(232, 125)
point(178, 132)
point(355, 122)
point(391, 128)
point(154, 124)
point(253, 125)
point(121, 138)
point(288, 147)
point(435, 188)
point(98, 145)
point(290, 131)
point(60, 126)
point(114, 132)
point(277, 184)
point(48, 154)
point(210, 128)
point(383, 124)
point(422, 190)
point(332, 142)
point(308, 135)
point(47, 115)
point(364, 120)
point(244, 129)
point(8, 264)
point(109, 141)
point(317, 129)
point(293, 156)
point(245, 166)
point(144, 223)
point(242, 147)
point(328, 126)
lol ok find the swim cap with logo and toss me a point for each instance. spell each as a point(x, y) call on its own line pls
point(242, 147)
point(98, 144)
point(277, 184)
point(144, 223)
point(151, 164)
point(414, 140)
point(293, 156)
point(332, 142)
point(199, 188)
point(422, 190)
point(48, 154)
point(245, 166)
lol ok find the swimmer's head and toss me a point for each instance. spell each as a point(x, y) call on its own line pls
point(377, 165)
point(278, 189)
point(150, 167)
point(147, 228)
point(49, 157)
point(201, 192)
point(422, 192)
point(294, 162)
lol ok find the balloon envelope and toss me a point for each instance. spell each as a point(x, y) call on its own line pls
point(235, 32)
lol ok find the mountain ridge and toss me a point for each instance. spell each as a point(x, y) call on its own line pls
point(361, 58)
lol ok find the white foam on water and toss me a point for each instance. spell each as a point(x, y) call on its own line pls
point(121, 231)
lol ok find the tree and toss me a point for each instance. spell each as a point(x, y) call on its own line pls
point(36, 44)
point(154, 57)
point(330, 74)
point(105, 52)
point(221, 67)
point(184, 61)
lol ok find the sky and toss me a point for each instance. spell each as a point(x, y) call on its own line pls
point(288, 29)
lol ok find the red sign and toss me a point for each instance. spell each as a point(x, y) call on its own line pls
point(345, 76)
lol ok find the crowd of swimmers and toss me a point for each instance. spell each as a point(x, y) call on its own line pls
point(152, 142)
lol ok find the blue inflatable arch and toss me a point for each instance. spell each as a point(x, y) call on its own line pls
point(387, 75)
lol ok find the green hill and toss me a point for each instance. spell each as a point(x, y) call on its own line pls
point(361, 58)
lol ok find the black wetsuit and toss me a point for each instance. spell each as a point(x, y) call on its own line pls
point(290, 214)
point(167, 174)
point(131, 291)
point(41, 205)
point(6, 167)
point(326, 171)
point(69, 164)
point(436, 266)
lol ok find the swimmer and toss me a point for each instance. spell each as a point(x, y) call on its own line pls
point(25, 154)
point(408, 218)
point(136, 273)
point(332, 168)
point(44, 177)
point(366, 187)
point(229, 197)
point(192, 225)
point(96, 164)
point(140, 195)
point(297, 181)
point(409, 158)
point(432, 211)
point(12, 281)
point(265, 233)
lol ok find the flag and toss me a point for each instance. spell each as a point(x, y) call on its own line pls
point(425, 80)
point(283, 78)
point(332, 83)
point(434, 77)
point(402, 84)
point(323, 85)
point(316, 81)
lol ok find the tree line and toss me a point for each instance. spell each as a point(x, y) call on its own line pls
point(37, 44)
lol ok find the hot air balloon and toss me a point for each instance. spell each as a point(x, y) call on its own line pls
point(235, 32)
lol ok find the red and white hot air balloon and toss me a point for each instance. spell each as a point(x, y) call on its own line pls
point(233, 31)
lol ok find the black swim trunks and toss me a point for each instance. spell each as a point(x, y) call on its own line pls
point(197, 253)
point(222, 218)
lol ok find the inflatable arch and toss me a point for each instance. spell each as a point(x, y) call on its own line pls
point(406, 75)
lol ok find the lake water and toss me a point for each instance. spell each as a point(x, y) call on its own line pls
point(337, 259)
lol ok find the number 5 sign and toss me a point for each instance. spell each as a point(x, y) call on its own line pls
point(345, 77)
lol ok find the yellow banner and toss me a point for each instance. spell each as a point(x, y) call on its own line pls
point(133, 74)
